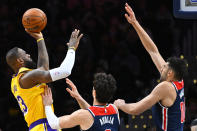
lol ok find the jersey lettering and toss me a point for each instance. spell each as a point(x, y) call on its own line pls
point(106, 119)
point(22, 105)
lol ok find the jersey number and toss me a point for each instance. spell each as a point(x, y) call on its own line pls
point(22, 105)
point(182, 106)
point(108, 130)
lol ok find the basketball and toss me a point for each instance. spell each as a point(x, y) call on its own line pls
point(34, 20)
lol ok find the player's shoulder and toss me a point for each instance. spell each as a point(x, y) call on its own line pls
point(24, 70)
point(164, 86)
point(82, 113)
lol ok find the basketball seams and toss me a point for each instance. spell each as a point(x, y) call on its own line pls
point(34, 19)
point(25, 17)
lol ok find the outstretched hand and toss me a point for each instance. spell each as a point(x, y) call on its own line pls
point(74, 92)
point(74, 39)
point(47, 97)
point(35, 35)
point(130, 16)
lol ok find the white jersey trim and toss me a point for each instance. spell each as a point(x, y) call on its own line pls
point(164, 118)
point(116, 112)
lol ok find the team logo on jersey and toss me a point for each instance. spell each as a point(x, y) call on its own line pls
point(15, 88)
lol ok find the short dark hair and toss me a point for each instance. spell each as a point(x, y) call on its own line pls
point(105, 86)
point(179, 66)
point(12, 55)
point(13, 52)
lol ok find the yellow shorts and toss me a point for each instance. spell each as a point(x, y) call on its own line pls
point(41, 125)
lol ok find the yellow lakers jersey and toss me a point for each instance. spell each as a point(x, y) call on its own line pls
point(29, 100)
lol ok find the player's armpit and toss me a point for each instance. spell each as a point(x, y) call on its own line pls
point(34, 77)
point(80, 118)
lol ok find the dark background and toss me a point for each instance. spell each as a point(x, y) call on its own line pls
point(109, 44)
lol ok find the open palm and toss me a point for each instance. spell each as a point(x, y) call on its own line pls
point(130, 16)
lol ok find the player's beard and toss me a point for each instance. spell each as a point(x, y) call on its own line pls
point(30, 64)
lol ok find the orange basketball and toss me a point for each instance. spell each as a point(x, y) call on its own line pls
point(34, 20)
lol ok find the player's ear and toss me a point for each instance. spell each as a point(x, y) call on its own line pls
point(94, 93)
point(20, 60)
point(170, 73)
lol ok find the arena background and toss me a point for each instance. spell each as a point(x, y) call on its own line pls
point(109, 44)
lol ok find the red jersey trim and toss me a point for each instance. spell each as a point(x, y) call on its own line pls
point(100, 111)
point(178, 84)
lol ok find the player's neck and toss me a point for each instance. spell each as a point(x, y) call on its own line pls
point(98, 103)
point(16, 70)
point(171, 79)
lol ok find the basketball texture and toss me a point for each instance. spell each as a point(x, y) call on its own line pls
point(34, 20)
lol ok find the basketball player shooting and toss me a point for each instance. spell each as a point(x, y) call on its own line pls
point(28, 81)
point(99, 117)
point(167, 98)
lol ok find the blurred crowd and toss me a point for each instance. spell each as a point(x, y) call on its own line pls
point(109, 45)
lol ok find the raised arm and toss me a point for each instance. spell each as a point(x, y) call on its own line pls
point(160, 92)
point(80, 117)
point(75, 94)
point(43, 58)
point(37, 76)
point(147, 42)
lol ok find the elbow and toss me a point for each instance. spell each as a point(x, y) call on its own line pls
point(68, 72)
point(134, 112)
point(53, 127)
point(55, 124)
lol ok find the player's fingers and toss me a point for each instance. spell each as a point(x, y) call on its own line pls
point(72, 35)
point(128, 10)
point(129, 7)
point(80, 37)
point(42, 96)
point(126, 16)
point(26, 29)
point(45, 91)
point(50, 91)
point(72, 86)
point(69, 91)
point(69, 82)
point(77, 33)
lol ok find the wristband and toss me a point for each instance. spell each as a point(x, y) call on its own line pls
point(72, 47)
point(40, 39)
